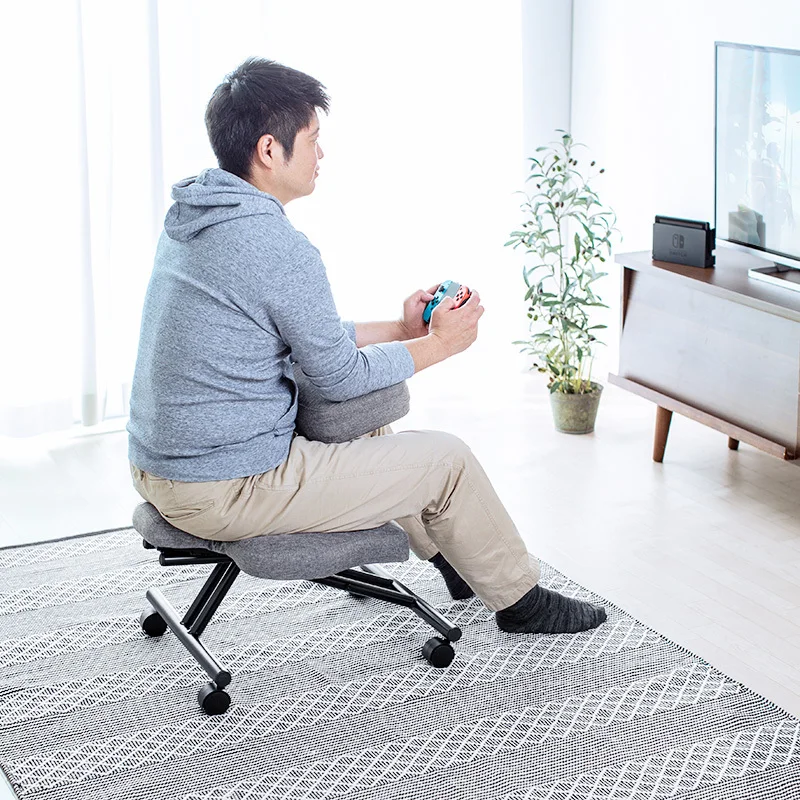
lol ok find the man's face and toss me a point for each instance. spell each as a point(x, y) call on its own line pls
point(298, 177)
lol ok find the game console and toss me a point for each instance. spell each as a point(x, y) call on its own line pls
point(683, 241)
point(457, 291)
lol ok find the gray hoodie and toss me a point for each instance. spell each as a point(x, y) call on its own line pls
point(237, 295)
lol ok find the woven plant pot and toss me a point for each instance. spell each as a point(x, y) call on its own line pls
point(576, 413)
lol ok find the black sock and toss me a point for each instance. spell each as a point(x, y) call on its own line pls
point(457, 586)
point(544, 611)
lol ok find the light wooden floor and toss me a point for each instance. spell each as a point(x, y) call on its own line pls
point(705, 547)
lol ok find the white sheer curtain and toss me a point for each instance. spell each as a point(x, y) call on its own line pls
point(86, 193)
point(105, 103)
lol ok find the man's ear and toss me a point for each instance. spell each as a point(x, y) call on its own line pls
point(268, 149)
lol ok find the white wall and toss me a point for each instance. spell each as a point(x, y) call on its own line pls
point(546, 71)
point(643, 101)
point(546, 27)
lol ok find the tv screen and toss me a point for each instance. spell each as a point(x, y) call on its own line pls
point(757, 198)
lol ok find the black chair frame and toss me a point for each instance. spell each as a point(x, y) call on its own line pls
point(367, 581)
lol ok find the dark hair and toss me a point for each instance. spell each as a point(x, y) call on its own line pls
point(260, 97)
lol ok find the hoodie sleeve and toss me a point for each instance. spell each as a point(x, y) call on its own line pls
point(350, 327)
point(303, 311)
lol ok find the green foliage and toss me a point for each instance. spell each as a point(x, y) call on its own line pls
point(561, 270)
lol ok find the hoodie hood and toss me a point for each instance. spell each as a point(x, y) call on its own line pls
point(212, 197)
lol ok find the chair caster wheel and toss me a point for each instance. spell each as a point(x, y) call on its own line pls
point(213, 700)
point(151, 622)
point(438, 652)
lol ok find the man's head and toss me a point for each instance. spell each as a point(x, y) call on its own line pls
point(263, 125)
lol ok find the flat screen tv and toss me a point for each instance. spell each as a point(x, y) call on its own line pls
point(757, 152)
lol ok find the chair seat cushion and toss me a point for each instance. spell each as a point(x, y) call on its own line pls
point(284, 556)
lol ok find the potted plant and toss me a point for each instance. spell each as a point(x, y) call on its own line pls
point(566, 231)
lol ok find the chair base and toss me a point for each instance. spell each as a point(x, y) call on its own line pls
point(373, 581)
point(368, 581)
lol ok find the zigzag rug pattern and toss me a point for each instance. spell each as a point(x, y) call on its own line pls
point(331, 697)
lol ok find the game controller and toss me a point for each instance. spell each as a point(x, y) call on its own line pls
point(459, 293)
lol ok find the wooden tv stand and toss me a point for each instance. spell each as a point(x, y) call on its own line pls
point(713, 345)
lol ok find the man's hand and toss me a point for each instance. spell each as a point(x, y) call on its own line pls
point(412, 325)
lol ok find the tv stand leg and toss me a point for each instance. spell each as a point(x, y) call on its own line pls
point(733, 444)
point(663, 419)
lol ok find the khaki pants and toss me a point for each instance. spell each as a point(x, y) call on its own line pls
point(429, 482)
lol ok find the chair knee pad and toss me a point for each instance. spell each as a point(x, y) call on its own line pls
point(326, 421)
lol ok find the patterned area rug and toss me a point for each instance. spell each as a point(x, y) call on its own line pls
point(332, 699)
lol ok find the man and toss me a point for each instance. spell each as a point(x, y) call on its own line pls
point(236, 291)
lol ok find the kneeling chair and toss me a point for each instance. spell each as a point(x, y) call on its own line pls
point(330, 559)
